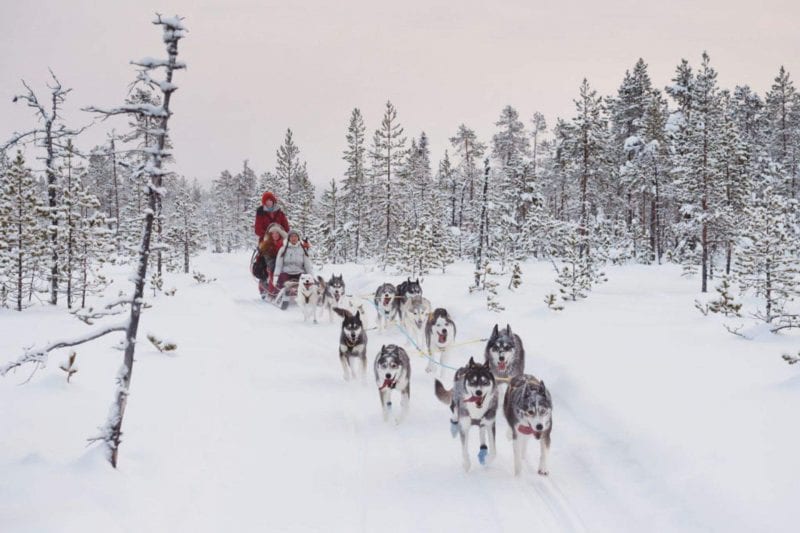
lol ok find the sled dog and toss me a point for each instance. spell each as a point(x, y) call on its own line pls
point(324, 299)
point(352, 344)
point(405, 290)
point(505, 354)
point(416, 310)
point(336, 286)
point(393, 372)
point(473, 402)
point(440, 334)
point(529, 412)
point(384, 304)
point(307, 297)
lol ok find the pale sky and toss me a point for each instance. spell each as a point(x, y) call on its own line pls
point(257, 67)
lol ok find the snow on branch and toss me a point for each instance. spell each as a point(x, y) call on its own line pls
point(39, 355)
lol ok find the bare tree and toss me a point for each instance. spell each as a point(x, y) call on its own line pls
point(174, 30)
point(50, 135)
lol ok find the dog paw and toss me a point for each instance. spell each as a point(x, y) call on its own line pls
point(482, 454)
point(429, 369)
point(544, 472)
point(453, 428)
point(466, 464)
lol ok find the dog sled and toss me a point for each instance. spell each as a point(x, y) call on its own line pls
point(285, 297)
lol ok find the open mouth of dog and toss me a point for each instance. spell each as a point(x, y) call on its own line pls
point(501, 365)
point(526, 429)
point(387, 300)
point(477, 400)
point(388, 383)
point(443, 336)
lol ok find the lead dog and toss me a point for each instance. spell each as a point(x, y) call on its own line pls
point(505, 354)
point(384, 304)
point(440, 334)
point(529, 412)
point(473, 402)
point(307, 297)
point(352, 344)
point(393, 372)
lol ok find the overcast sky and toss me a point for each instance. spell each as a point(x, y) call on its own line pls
point(257, 67)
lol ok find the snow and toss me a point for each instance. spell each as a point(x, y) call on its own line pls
point(662, 420)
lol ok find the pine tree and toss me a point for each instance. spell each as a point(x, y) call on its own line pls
point(355, 221)
point(783, 121)
point(25, 234)
point(725, 303)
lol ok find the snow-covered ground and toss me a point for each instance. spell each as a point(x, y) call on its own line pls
point(662, 420)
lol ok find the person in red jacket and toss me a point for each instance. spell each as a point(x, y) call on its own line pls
point(269, 213)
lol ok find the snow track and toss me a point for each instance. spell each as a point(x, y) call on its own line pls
point(250, 427)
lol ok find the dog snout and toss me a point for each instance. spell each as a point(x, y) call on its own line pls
point(502, 358)
point(478, 392)
point(388, 376)
point(539, 427)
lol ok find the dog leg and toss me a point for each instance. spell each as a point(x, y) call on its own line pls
point(517, 453)
point(386, 404)
point(484, 450)
point(492, 441)
point(464, 426)
point(544, 449)
point(431, 360)
point(345, 366)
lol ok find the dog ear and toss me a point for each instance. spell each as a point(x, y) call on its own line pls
point(358, 315)
point(508, 330)
point(495, 331)
point(471, 361)
point(542, 388)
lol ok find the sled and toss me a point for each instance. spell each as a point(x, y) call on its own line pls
point(285, 297)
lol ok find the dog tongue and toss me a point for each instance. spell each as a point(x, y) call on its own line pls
point(527, 430)
point(386, 300)
point(443, 336)
point(387, 383)
point(478, 400)
point(501, 365)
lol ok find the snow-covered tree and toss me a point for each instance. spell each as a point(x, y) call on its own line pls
point(356, 223)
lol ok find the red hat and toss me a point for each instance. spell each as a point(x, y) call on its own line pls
point(268, 196)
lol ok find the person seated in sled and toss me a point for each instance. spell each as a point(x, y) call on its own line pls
point(269, 213)
point(268, 249)
point(292, 261)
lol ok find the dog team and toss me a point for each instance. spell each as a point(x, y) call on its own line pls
point(479, 389)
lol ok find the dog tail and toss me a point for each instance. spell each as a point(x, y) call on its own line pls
point(342, 312)
point(445, 396)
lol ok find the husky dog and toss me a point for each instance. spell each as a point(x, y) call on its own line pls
point(416, 310)
point(440, 334)
point(324, 299)
point(307, 297)
point(505, 354)
point(406, 289)
point(352, 344)
point(529, 412)
point(393, 372)
point(336, 286)
point(473, 402)
point(384, 303)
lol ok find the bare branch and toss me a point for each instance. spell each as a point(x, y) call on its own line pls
point(39, 355)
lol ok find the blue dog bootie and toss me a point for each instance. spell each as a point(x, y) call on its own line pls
point(453, 428)
point(482, 454)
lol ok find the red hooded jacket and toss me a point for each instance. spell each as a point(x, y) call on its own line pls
point(264, 218)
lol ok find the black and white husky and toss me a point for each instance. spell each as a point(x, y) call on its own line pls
point(440, 334)
point(393, 372)
point(405, 290)
point(307, 297)
point(336, 286)
point(416, 311)
point(352, 344)
point(473, 402)
point(384, 304)
point(529, 412)
point(505, 354)
point(324, 299)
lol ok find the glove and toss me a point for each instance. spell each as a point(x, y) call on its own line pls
point(305, 244)
point(453, 428)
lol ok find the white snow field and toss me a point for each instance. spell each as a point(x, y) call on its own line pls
point(663, 421)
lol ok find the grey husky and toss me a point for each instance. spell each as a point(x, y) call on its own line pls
point(529, 412)
point(407, 289)
point(393, 372)
point(440, 334)
point(473, 402)
point(336, 287)
point(505, 354)
point(384, 304)
point(324, 299)
point(416, 311)
point(352, 344)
